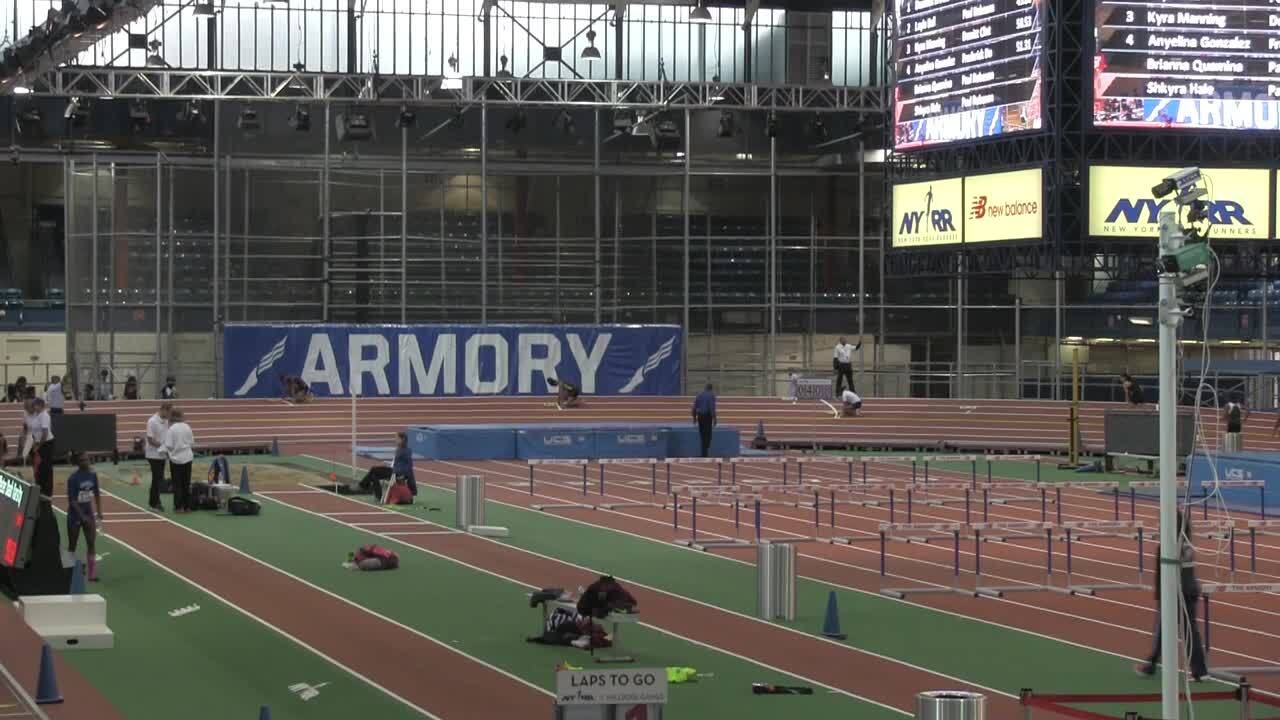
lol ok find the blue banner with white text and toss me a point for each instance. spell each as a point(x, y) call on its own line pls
point(451, 360)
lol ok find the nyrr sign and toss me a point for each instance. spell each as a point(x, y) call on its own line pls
point(633, 686)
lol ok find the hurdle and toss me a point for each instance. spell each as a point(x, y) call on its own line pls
point(1056, 487)
point(567, 462)
point(1256, 528)
point(998, 591)
point(1103, 528)
point(653, 478)
point(1208, 590)
point(1207, 488)
point(920, 532)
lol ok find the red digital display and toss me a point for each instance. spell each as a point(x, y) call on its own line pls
point(19, 500)
point(10, 551)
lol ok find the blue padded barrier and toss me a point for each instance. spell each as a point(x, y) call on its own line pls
point(632, 443)
point(537, 443)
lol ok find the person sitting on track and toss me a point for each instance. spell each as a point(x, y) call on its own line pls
point(83, 494)
point(402, 465)
point(852, 403)
point(568, 627)
point(398, 493)
point(567, 394)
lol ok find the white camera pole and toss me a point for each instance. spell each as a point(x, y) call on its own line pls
point(1170, 317)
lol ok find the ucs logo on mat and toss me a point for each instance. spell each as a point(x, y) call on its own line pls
point(453, 360)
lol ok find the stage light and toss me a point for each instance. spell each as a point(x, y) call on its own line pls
point(700, 14)
point(300, 120)
point(249, 121)
point(590, 52)
point(726, 124)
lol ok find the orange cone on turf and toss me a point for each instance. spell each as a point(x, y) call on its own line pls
point(135, 480)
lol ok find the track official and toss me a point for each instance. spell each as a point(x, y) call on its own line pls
point(704, 414)
point(842, 363)
point(157, 427)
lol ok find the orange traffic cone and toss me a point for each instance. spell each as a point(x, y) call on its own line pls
point(333, 477)
point(135, 480)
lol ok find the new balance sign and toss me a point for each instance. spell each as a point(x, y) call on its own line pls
point(462, 360)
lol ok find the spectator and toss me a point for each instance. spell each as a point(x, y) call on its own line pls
point(20, 389)
point(90, 393)
point(704, 414)
point(1132, 390)
point(41, 430)
point(131, 388)
point(842, 363)
point(157, 428)
point(104, 385)
point(179, 447)
point(170, 389)
point(53, 396)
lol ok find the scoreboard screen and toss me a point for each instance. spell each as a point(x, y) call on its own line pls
point(1191, 64)
point(19, 506)
point(966, 70)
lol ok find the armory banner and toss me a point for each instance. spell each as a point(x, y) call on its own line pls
point(460, 360)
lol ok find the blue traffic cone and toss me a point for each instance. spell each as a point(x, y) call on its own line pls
point(244, 480)
point(77, 578)
point(47, 686)
point(264, 713)
point(831, 625)
point(275, 446)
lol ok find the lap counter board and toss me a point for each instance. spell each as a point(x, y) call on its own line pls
point(19, 503)
point(966, 70)
point(1199, 65)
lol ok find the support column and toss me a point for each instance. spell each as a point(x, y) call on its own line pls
point(684, 211)
point(1058, 280)
point(771, 284)
point(404, 216)
point(325, 219)
point(595, 210)
point(862, 261)
point(484, 212)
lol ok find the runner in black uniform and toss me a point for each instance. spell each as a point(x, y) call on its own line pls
point(1132, 390)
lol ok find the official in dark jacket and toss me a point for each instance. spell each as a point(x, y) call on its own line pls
point(1190, 588)
point(704, 414)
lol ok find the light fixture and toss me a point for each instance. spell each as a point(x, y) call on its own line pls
point(564, 123)
point(726, 124)
point(1073, 339)
point(453, 62)
point(191, 112)
point(155, 59)
point(139, 116)
point(76, 113)
point(1139, 320)
point(455, 122)
point(21, 90)
point(202, 10)
point(818, 128)
point(517, 122)
point(407, 118)
point(1232, 342)
point(249, 121)
point(590, 52)
point(700, 14)
point(771, 126)
point(354, 126)
point(300, 120)
point(1104, 340)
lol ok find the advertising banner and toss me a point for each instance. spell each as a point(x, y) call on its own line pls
point(1004, 206)
point(928, 213)
point(451, 360)
point(1121, 203)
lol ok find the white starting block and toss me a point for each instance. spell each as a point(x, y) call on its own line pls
point(69, 621)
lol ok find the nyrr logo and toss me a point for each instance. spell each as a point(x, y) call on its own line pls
point(1223, 213)
point(938, 221)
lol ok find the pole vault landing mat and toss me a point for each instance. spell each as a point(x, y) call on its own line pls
point(568, 441)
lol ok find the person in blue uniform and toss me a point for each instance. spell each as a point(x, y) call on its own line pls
point(704, 415)
point(402, 465)
point(84, 511)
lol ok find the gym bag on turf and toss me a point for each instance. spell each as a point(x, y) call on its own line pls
point(243, 506)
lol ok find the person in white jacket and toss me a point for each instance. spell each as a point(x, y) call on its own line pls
point(179, 448)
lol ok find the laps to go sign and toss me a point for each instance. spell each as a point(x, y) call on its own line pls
point(634, 686)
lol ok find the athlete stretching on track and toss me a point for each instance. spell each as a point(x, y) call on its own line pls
point(567, 393)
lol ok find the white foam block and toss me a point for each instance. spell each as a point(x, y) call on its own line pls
point(68, 621)
point(488, 531)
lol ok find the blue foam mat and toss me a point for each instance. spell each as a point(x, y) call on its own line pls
point(567, 441)
point(1240, 466)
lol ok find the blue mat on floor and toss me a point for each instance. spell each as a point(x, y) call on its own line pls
point(567, 441)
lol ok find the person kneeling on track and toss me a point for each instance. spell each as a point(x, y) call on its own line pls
point(567, 394)
point(852, 403)
point(83, 494)
point(372, 481)
point(399, 493)
point(604, 596)
point(374, 557)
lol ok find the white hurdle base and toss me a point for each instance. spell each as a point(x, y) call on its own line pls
point(999, 591)
point(563, 506)
point(489, 531)
point(69, 622)
point(705, 545)
point(902, 593)
point(1240, 674)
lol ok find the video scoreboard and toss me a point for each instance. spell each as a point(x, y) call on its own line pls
point(1189, 64)
point(966, 69)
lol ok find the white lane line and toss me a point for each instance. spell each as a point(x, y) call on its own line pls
point(362, 677)
point(344, 600)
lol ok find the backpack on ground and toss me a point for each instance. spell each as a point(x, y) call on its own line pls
point(239, 505)
point(375, 557)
